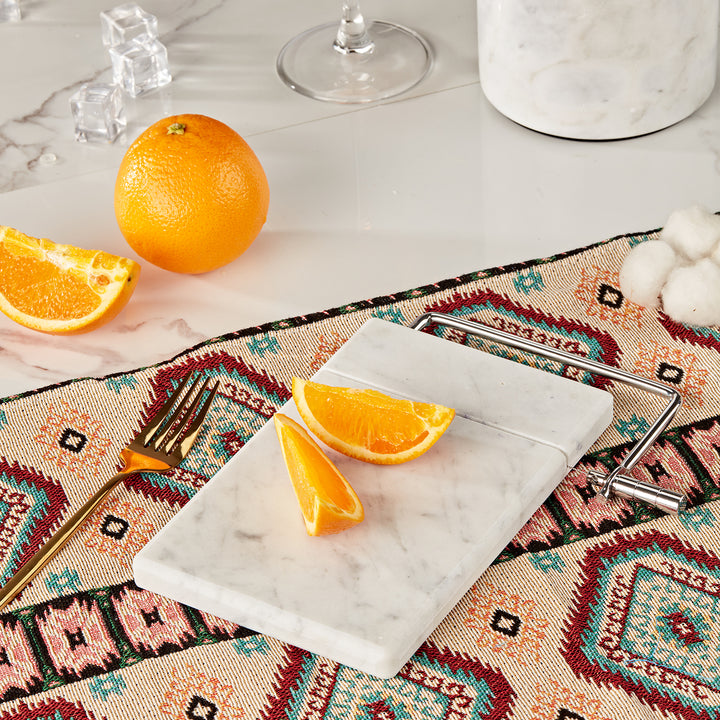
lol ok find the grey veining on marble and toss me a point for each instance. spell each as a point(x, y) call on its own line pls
point(221, 54)
point(349, 187)
point(597, 70)
point(36, 131)
point(498, 394)
point(370, 596)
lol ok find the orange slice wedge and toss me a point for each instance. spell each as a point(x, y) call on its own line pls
point(369, 425)
point(327, 501)
point(61, 289)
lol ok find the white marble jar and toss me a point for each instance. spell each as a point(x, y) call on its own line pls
point(597, 69)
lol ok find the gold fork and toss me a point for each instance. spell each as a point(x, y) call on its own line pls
point(161, 444)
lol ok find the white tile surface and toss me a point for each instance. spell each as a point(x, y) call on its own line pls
point(369, 597)
point(364, 201)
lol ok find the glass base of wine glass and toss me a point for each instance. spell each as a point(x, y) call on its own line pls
point(311, 64)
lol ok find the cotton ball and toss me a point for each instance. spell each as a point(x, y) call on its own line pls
point(693, 232)
point(692, 294)
point(645, 271)
point(716, 254)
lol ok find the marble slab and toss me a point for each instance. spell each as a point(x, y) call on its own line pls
point(370, 596)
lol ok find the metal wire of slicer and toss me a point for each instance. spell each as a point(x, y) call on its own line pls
point(615, 482)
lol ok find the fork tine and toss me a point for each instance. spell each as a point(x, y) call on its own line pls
point(156, 441)
point(154, 423)
point(185, 436)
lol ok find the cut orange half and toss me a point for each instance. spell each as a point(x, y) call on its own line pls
point(369, 425)
point(61, 289)
point(327, 501)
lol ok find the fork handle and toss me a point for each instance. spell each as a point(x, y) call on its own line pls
point(48, 551)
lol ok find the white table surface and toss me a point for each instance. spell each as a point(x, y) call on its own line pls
point(365, 200)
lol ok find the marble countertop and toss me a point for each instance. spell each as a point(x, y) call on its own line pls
point(365, 200)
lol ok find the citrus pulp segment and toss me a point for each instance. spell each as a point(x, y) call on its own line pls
point(328, 503)
point(370, 425)
point(61, 289)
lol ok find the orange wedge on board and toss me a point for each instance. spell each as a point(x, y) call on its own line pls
point(328, 503)
point(369, 425)
point(61, 289)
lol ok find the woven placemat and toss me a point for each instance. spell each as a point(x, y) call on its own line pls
point(593, 611)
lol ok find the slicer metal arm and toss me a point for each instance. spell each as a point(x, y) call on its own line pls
point(614, 482)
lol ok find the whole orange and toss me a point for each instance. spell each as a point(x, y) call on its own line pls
point(190, 194)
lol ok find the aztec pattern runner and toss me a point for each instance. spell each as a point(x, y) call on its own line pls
point(593, 611)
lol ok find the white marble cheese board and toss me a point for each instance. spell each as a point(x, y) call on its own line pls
point(370, 596)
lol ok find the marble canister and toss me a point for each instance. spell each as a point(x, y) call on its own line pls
point(597, 69)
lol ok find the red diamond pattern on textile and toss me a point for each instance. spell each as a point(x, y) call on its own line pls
point(30, 507)
point(641, 599)
point(59, 709)
point(446, 684)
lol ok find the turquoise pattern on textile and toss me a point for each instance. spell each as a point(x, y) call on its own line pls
point(529, 281)
point(36, 504)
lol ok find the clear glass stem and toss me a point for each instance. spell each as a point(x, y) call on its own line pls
point(355, 62)
point(352, 35)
